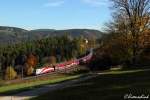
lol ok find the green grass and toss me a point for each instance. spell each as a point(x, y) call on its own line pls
point(28, 85)
point(109, 86)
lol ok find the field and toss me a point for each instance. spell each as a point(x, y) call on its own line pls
point(110, 86)
point(25, 85)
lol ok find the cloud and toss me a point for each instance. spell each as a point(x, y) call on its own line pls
point(54, 3)
point(96, 3)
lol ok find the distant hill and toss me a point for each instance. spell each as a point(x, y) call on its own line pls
point(15, 35)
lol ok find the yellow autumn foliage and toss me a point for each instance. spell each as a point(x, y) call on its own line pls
point(10, 73)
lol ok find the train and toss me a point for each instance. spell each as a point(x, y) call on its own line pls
point(63, 65)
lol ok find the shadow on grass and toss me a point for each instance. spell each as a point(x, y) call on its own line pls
point(104, 87)
point(19, 89)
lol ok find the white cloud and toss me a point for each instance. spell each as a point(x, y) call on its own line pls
point(96, 3)
point(54, 3)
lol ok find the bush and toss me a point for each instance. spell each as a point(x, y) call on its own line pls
point(144, 58)
point(30, 71)
point(10, 73)
point(100, 63)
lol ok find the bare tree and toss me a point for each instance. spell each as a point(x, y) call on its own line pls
point(131, 17)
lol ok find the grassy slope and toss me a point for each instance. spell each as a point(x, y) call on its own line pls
point(28, 85)
point(111, 86)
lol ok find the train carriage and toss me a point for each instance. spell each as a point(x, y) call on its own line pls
point(61, 66)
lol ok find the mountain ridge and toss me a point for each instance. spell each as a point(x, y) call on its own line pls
point(15, 34)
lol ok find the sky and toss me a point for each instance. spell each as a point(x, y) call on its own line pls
point(54, 14)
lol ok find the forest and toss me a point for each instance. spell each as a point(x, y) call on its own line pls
point(28, 56)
